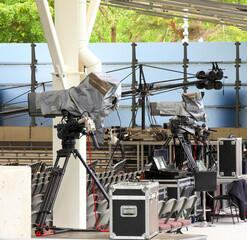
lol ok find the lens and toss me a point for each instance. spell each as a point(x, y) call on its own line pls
point(200, 85)
point(218, 85)
point(200, 75)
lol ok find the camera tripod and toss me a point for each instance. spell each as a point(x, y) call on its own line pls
point(68, 132)
point(185, 143)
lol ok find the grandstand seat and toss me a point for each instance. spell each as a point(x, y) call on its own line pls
point(102, 206)
point(45, 185)
point(33, 187)
point(91, 208)
point(187, 208)
point(165, 213)
point(90, 199)
point(177, 209)
point(37, 198)
point(104, 220)
point(34, 215)
point(39, 188)
point(91, 221)
point(37, 205)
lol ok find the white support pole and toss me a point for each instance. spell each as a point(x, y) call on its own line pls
point(186, 28)
point(72, 36)
point(91, 16)
point(86, 57)
point(52, 39)
point(70, 206)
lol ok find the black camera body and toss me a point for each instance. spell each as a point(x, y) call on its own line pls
point(181, 123)
point(71, 130)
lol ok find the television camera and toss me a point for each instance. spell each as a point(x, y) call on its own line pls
point(83, 110)
point(188, 125)
point(186, 115)
point(97, 95)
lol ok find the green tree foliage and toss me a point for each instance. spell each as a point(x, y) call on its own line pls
point(19, 22)
point(119, 25)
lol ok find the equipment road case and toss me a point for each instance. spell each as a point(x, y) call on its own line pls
point(134, 210)
point(229, 156)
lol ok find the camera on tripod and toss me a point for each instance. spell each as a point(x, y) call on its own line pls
point(185, 124)
point(72, 128)
point(83, 110)
point(97, 95)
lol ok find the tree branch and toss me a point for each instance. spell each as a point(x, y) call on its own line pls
point(176, 30)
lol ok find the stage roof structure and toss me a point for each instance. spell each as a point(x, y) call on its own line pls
point(202, 10)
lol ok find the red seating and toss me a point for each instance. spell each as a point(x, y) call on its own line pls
point(182, 206)
point(164, 227)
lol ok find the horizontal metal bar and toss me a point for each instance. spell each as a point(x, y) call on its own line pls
point(26, 158)
point(215, 12)
point(205, 106)
point(23, 64)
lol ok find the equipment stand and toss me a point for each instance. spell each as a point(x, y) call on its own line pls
point(204, 223)
point(55, 182)
point(187, 149)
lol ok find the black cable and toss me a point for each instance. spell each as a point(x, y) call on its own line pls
point(115, 148)
point(152, 120)
point(3, 119)
point(153, 94)
point(119, 69)
point(16, 103)
point(16, 98)
point(126, 77)
point(41, 123)
point(135, 114)
point(128, 98)
point(26, 85)
point(120, 123)
point(148, 112)
point(172, 80)
point(129, 75)
point(118, 142)
point(166, 69)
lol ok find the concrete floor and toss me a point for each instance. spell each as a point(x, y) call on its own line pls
point(98, 236)
point(222, 230)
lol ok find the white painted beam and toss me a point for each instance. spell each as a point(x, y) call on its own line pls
point(86, 57)
point(91, 16)
point(70, 206)
point(52, 39)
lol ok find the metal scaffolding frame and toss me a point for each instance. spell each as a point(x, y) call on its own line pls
point(202, 10)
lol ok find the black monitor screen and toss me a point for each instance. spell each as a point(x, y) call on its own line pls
point(163, 153)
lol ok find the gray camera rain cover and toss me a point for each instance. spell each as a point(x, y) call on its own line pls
point(191, 106)
point(98, 94)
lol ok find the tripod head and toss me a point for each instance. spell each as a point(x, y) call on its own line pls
point(71, 128)
point(181, 124)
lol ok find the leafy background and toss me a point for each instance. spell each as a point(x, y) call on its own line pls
point(20, 23)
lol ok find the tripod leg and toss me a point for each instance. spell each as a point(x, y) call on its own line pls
point(167, 141)
point(110, 160)
point(187, 149)
point(52, 190)
point(92, 175)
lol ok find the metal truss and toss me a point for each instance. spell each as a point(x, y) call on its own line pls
point(202, 10)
